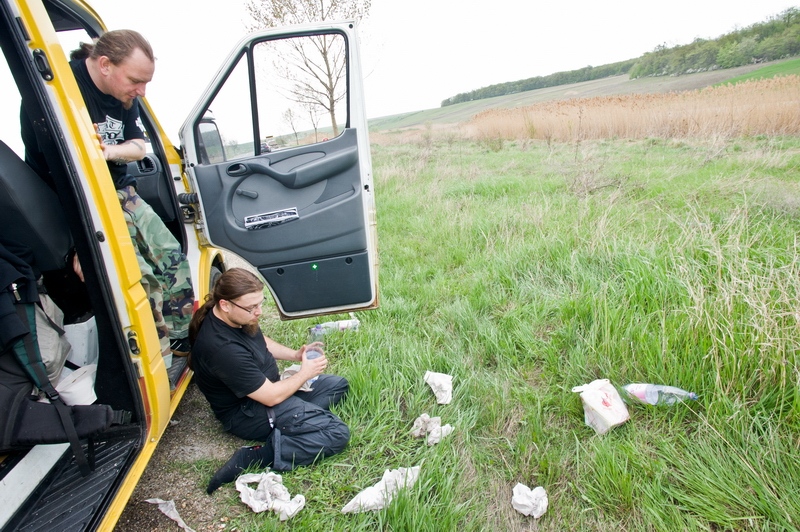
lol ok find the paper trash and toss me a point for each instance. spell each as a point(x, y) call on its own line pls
point(603, 408)
point(432, 427)
point(291, 370)
point(270, 494)
point(378, 496)
point(442, 386)
point(529, 502)
point(168, 508)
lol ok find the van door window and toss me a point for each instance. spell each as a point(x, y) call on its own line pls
point(299, 97)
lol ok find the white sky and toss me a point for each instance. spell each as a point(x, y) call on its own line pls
point(416, 53)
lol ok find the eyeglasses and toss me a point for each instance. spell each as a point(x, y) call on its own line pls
point(250, 310)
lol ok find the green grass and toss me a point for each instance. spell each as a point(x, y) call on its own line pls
point(526, 271)
point(784, 68)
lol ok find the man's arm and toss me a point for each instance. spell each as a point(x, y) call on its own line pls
point(281, 352)
point(130, 150)
point(273, 393)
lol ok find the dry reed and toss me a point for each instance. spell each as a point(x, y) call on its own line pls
point(756, 107)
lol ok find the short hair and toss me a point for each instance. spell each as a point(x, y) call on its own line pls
point(117, 45)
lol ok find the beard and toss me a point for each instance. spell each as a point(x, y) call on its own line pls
point(251, 329)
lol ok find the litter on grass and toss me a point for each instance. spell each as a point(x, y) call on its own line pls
point(529, 501)
point(442, 386)
point(431, 427)
point(270, 494)
point(603, 408)
point(168, 508)
point(378, 496)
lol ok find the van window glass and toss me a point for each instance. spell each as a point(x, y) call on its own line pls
point(300, 96)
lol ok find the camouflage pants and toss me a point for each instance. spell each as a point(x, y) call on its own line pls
point(166, 277)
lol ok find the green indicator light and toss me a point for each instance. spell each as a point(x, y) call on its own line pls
point(315, 266)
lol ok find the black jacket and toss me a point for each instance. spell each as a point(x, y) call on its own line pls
point(14, 271)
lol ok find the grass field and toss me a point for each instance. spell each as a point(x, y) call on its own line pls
point(531, 269)
point(524, 267)
point(782, 68)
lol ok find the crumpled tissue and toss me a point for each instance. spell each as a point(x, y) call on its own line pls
point(432, 426)
point(442, 386)
point(270, 494)
point(529, 502)
point(291, 370)
point(378, 496)
point(168, 509)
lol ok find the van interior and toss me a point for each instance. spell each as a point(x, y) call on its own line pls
point(43, 209)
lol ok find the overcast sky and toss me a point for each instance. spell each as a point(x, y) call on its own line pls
point(416, 53)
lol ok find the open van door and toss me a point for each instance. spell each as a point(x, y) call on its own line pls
point(277, 152)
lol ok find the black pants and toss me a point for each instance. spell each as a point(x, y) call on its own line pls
point(304, 427)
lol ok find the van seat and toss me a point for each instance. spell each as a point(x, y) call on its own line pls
point(31, 214)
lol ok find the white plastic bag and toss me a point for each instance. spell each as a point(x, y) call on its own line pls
point(77, 387)
point(603, 408)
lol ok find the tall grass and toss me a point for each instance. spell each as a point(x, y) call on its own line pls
point(529, 269)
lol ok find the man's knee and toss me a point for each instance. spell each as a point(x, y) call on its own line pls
point(339, 437)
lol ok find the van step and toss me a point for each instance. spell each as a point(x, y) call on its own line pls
point(66, 501)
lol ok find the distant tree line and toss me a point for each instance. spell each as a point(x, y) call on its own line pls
point(777, 38)
point(540, 82)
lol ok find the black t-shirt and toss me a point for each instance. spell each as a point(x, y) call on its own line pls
point(229, 364)
point(116, 123)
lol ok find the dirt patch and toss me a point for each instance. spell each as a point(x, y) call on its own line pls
point(194, 435)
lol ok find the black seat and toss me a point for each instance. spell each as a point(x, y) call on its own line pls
point(31, 214)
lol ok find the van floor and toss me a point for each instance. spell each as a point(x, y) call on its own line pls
point(71, 501)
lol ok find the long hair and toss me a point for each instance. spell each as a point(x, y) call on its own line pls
point(234, 283)
point(117, 45)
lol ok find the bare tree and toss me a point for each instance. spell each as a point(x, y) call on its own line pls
point(288, 116)
point(314, 117)
point(315, 66)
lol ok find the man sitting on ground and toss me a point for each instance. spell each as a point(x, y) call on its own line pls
point(235, 368)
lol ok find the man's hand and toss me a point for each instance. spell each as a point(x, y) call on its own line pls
point(314, 366)
point(76, 266)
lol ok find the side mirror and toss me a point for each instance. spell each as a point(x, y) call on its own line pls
point(209, 142)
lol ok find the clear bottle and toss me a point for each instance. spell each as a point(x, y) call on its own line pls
point(657, 394)
point(331, 326)
point(314, 335)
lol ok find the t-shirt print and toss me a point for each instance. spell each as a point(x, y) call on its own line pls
point(112, 131)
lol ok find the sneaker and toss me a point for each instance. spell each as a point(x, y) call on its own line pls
point(180, 347)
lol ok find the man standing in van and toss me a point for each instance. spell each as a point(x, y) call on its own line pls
point(111, 74)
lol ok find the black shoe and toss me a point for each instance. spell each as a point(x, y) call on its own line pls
point(180, 347)
point(175, 371)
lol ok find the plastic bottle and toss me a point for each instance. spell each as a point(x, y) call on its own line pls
point(657, 394)
point(314, 335)
point(317, 331)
